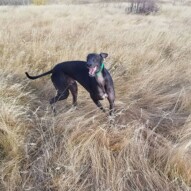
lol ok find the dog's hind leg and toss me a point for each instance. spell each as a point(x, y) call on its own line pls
point(60, 83)
point(72, 85)
point(74, 90)
point(61, 95)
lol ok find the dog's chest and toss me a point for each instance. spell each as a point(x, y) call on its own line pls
point(101, 86)
point(100, 80)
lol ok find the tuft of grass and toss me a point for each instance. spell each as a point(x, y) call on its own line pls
point(14, 109)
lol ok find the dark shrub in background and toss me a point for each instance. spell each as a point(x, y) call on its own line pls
point(143, 6)
point(22, 2)
point(15, 2)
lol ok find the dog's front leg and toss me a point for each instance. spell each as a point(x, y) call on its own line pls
point(111, 107)
point(97, 102)
point(111, 100)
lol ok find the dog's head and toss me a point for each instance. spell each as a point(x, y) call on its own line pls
point(94, 63)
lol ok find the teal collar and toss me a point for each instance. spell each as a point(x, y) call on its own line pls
point(99, 72)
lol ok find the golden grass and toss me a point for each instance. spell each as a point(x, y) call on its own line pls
point(145, 147)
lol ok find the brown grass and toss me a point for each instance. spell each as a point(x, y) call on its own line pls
point(145, 147)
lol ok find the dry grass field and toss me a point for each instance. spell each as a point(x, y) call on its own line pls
point(145, 147)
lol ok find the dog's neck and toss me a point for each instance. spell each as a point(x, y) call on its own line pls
point(100, 75)
point(101, 69)
point(100, 80)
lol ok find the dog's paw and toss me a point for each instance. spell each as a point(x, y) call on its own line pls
point(73, 108)
point(104, 96)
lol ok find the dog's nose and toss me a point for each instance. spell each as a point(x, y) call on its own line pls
point(88, 65)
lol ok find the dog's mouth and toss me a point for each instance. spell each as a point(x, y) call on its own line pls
point(92, 71)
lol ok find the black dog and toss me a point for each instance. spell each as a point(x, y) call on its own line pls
point(92, 75)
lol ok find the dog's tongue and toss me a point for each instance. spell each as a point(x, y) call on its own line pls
point(92, 71)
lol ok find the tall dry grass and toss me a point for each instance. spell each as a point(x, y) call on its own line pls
point(145, 147)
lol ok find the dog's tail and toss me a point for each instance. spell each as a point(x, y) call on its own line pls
point(41, 75)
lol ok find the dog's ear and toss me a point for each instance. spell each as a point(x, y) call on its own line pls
point(104, 55)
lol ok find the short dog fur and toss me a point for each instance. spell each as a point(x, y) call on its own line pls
point(92, 75)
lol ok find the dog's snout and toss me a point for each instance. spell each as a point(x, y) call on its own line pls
point(88, 64)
